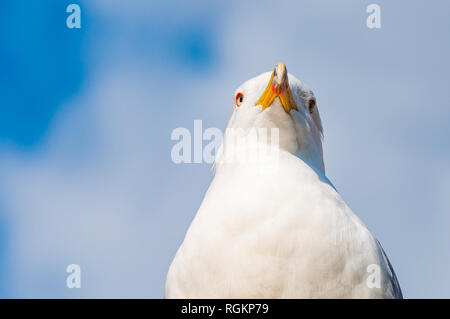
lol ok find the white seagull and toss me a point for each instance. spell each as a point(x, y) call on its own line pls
point(274, 226)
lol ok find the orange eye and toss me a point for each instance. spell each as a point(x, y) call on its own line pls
point(239, 99)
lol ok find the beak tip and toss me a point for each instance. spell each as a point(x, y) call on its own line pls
point(278, 86)
point(280, 73)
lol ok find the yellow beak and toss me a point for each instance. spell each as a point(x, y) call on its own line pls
point(278, 86)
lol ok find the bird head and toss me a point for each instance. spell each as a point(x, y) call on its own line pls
point(279, 100)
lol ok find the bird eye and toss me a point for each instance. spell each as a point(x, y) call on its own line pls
point(239, 99)
point(311, 106)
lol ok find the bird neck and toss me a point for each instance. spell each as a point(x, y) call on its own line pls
point(261, 147)
point(312, 154)
point(308, 138)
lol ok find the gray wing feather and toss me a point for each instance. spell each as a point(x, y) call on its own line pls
point(397, 291)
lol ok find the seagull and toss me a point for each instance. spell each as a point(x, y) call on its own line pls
point(271, 224)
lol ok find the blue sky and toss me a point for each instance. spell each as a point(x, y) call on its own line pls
point(86, 118)
point(37, 57)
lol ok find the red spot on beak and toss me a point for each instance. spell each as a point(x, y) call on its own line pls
point(276, 90)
